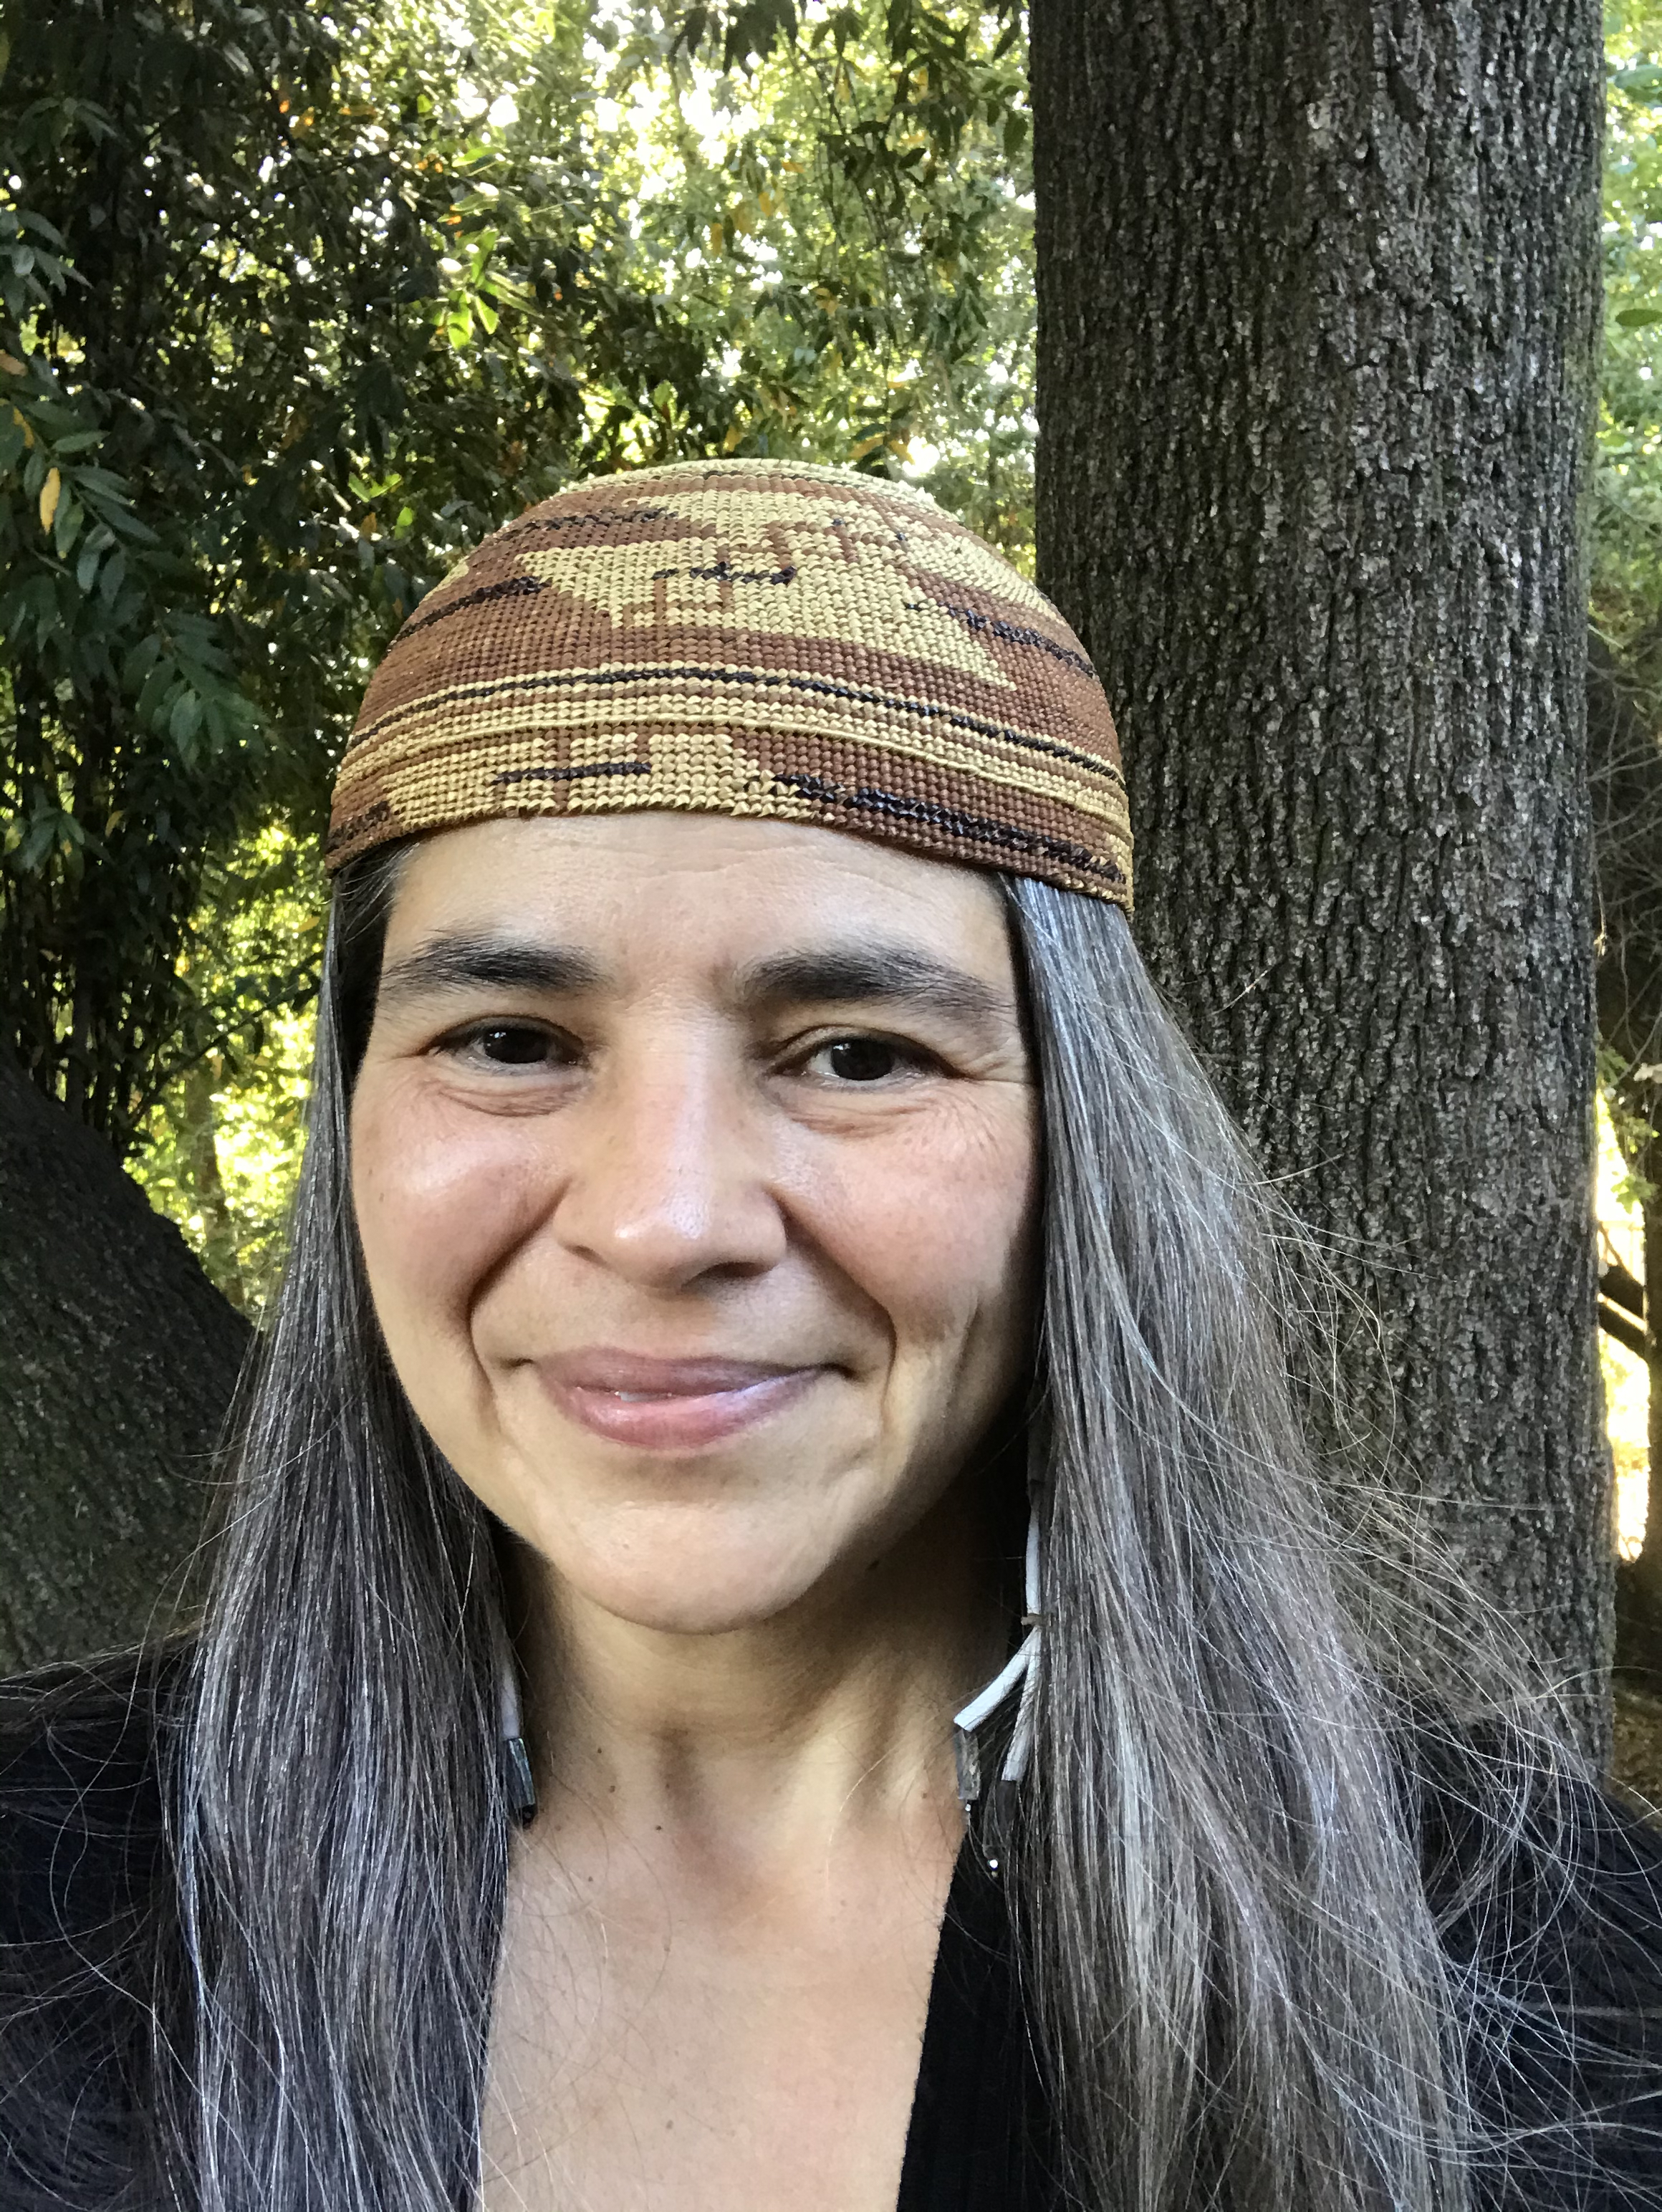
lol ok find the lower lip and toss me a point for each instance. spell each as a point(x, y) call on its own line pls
point(678, 1423)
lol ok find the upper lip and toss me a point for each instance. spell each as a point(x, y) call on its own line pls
point(602, 1367)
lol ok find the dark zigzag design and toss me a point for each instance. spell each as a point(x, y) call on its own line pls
point(980, 828)
point(510, 587)
point(571, 774)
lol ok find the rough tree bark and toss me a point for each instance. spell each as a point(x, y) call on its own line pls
point(117, 1361)
point(1319, 309)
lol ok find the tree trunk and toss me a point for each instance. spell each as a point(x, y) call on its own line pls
point(1642, 1594)
point(1318, 305)
point(202, 1156)
point(118, 1362)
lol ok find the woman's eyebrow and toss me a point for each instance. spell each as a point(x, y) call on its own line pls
point(847, 975)
point(491, 963)
point(834, 975)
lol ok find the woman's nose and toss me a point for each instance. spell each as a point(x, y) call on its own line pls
point(667, 1178)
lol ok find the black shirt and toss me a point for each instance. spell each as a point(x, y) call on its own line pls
point(979, 2136)
point(85, 1882)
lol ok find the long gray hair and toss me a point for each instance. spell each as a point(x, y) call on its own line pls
point(1239, 1992)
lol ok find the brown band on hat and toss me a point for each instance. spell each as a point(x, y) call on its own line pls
point(761, 638)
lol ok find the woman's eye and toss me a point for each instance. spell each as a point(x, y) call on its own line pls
point(509, 1044)
point(864, 1060)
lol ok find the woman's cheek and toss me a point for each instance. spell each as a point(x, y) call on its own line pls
point(939, 1227)
point(442, 1195)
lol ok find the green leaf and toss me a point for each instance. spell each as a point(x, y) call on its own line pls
point(38, 841)
point(153, 692)
point(67, 527)
point(184, 718)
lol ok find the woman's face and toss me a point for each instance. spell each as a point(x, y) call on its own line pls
point(695, 1163)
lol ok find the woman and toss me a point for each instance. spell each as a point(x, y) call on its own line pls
point(766, 1268)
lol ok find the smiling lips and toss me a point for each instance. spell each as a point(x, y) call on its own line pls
point(670, 1404)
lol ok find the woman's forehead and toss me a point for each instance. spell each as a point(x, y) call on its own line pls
point(632, 867)
point(763, 906)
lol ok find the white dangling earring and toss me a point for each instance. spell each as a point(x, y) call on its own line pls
point(1021, 1668)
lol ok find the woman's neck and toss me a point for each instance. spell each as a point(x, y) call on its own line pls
point(771, 1744)
point(721, 1929)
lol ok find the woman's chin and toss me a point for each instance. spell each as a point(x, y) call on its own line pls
point(697, 1581)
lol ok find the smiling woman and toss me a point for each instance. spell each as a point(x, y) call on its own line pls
point(694, 1159)
point(766, 1267)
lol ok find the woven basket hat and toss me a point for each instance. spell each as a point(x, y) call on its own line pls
point(760, 639)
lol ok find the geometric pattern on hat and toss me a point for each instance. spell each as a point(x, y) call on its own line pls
point(763, 639)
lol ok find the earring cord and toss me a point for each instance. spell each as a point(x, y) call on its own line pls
point(519, 1785)
point(1021, 1668)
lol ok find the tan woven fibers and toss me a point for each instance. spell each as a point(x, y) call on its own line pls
point(752, 638)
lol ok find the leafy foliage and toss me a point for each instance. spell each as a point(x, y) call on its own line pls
point(1626, 692)
point(1628, 547)
point(846, 226)
point(222, 1152)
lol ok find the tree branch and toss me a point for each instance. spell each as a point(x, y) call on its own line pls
point(1615, 1322)
point(1623, 1289)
